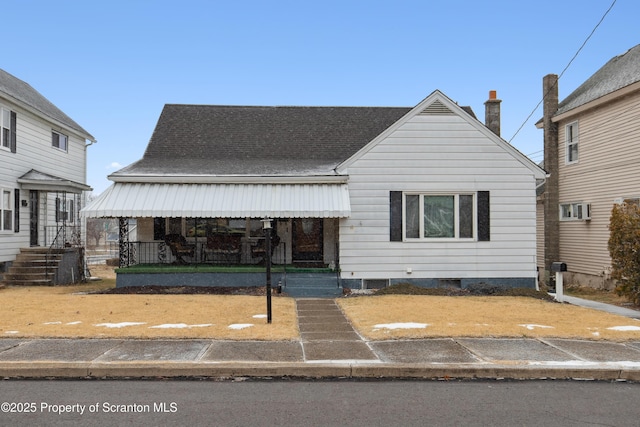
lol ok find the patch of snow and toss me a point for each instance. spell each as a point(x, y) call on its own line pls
point(624, 328)
point(52, 323)
point(240, 325)
point(259, 316)
point(408, 325)
point(119, 325)
point(179, 326)
point(595, 334)
point(77, 322)
point(363, 291)
point(12, 332)
point(531, 326)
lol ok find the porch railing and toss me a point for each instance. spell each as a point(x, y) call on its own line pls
point(198, 253)
point(61, 236)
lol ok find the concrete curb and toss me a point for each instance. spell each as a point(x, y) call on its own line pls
point(214, 370)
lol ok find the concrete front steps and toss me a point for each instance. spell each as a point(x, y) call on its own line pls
point(33, 267)
point(303, 285)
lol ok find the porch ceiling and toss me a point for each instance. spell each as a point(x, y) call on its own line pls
point(135, 200)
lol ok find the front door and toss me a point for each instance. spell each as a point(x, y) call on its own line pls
point(307, 239)
point(33, 217)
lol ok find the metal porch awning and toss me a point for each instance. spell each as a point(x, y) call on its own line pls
point(136, 200)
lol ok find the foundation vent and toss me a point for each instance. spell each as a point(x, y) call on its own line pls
point(375, 283)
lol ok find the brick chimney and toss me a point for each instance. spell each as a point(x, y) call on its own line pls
point(492, 113)
point(551, 156)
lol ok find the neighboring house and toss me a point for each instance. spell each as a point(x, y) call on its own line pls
point(42, 173)
point(592, 155)
point(427, 195)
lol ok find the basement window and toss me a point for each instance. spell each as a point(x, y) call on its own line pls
point(375, 283)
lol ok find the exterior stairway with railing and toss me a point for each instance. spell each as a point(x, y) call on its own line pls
point(33, 267)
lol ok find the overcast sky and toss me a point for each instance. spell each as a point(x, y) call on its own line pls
point(112, 65)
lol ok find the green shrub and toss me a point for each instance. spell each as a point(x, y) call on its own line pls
point(624, 249)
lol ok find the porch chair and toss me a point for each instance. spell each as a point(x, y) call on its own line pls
point(222, 247)
point(179, 247)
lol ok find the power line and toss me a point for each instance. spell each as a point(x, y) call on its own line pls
point(565, 69)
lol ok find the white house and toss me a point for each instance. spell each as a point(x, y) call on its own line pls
point(42, 173)
point(427, 195)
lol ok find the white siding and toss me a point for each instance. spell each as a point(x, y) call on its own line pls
point(34, 151)
point(439, 154)
point(609, 155)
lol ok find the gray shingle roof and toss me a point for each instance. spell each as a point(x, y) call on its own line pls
point(619, 72)
point(241, 140)
point(12, 87)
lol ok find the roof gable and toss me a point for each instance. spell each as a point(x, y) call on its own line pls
point(621, 71)
point(15, 89)
point(439, 104)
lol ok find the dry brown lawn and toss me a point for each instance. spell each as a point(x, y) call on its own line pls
point(69, 312)
point(73, 311)
point(492, 316)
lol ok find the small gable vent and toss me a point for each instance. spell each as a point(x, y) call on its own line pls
point(437, 108)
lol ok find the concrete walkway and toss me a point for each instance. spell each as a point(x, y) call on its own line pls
point(609, 308)
point(328, 348)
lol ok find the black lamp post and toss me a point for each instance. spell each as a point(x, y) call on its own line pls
point(266, 225)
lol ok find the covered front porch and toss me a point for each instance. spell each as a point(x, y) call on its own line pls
point(301, 242)
point(216, 231)
point(48, 248)
point(54, 205)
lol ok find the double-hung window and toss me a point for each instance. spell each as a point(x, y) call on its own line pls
point(6, 210)
point(571, 138)
point(7, 129)
point(59, 140)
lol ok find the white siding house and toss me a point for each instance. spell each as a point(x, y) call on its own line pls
point(42, 170)
point(427, 195)
point(439, 153)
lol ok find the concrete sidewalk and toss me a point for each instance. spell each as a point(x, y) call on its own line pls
point(328, 348)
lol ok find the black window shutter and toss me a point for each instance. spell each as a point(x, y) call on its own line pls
point(484, 219)
point(57, 209)
point(395, 215)
point(13, 132)
point(16, 213)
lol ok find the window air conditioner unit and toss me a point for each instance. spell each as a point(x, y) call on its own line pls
point(584, 211)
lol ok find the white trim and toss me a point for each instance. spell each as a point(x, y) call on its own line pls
point(582, 211)
point(597, 102)
point(10, 208)
point(456, 220)
point(229, 179)
point(457, 110)
point(575, 141)
point(45, 117)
